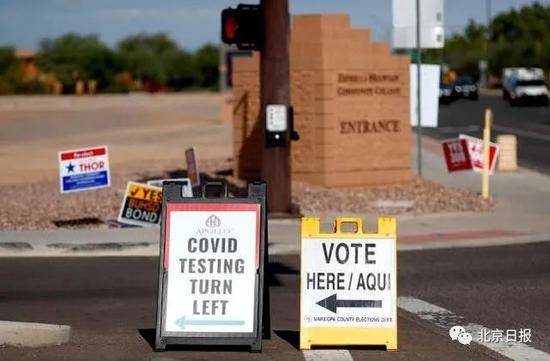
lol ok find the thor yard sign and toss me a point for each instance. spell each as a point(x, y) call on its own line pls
point(348, 285)
point(83, 169)
point(211, 275)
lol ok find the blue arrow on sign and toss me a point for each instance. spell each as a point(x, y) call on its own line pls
point(182, 322)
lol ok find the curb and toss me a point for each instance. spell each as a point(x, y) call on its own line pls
point(290, 249)
point(124, 243)
point(30, 334)
point(79, 243)
point(475, 242)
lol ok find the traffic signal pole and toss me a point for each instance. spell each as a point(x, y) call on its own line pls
point(275, 89)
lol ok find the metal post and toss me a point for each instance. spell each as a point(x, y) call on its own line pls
point(486, 153)
point(275, 89)
point(418, 92)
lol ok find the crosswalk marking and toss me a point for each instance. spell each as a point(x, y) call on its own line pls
point(327, 355)
point(446, 319)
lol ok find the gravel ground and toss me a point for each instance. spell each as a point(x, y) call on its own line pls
point(36, 206)
point(418, 197)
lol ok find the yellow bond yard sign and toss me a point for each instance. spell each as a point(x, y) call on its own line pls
point(141, 206)
point(348, 291)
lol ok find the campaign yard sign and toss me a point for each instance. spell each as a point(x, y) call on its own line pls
point(475, 151)
point(212, 264)
point(192, 168)
point(348, 285)
point(466, 153)
point(141, 206)
point(456, 154)
point(83, 169)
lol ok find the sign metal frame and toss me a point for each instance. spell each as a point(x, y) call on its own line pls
point(256, 199)
point(348, 336)
point(186, 190)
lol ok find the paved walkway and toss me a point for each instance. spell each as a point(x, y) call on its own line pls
point(523, 200)
point(521, 214)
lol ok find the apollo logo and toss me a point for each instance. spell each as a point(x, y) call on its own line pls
point(212, 222)
point(213, 227)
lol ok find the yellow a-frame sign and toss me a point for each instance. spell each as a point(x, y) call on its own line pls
point(348, 291)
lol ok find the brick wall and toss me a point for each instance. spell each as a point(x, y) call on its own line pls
point(351, 104)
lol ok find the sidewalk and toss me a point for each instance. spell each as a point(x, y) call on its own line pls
point(522, 200)
point(521, 215)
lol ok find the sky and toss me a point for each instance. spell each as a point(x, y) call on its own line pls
point(192, 23)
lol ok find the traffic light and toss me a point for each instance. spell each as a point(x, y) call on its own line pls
point(243, 26)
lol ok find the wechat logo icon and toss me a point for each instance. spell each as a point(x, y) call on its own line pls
point(458, 333)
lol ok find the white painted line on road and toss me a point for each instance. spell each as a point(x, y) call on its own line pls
point(327, 355)
point(284, 248)
point(522, 133)
point(32, 334)
point(446, 319)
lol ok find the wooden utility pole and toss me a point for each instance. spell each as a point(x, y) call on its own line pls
point(275, 89)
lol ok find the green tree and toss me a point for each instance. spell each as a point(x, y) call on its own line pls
point(145, 56)
point(155, 59)
point(518, 38)
point(181, 70)
point(74, 57)
point(521, 38)
point(7, 58)
point(207, 60)
point(11, 75)
point(530, 23)
point(7, 65)
point(465, 51)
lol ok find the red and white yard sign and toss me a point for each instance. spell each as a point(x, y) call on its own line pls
point(466, 153)
point(456, 155)
point(475, 149)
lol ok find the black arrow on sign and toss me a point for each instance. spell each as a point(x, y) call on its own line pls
point(331, 303)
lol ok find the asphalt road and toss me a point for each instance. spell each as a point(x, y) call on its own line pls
point(110, 304)
point(530, 123)
point(499, 287)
